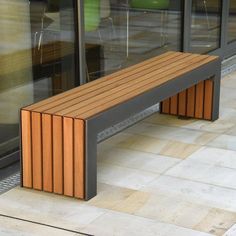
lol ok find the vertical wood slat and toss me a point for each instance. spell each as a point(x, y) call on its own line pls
point(195, 102)
point(79, 158)
point(191, 101)
point(57, 154)
point(182, 103)
point(208, 99)
point(165, 106)
point(68, 156)
point(174, 105)
point(37, 150)
point(26, 149)
point(47, 152)
point(199, 100)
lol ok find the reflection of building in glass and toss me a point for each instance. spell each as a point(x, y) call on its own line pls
point(47, 47)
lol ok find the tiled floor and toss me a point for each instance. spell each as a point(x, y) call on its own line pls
point(164, 176)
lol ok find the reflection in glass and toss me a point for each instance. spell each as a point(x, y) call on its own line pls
point(122, 33)
point(232, 21)
point(36, 58)
point(205, 26)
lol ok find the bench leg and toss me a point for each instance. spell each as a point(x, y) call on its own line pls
point(200, 101)
point(216, 95)
point(90, 161)
point(53, 155)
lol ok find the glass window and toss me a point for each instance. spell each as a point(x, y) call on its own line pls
point(121, 33)
point(232, 21)
point(36, 58)
point(205, 25)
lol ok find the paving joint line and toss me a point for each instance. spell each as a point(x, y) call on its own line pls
point(45, 225)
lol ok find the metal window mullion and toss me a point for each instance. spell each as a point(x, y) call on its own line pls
point(81, 43)
point(224, 24)
point(187, 25)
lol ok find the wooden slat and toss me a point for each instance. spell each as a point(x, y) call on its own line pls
point(191, 101)
point(208, 97)
point(97, 82)
point(127, 88)
point(79, 158)
point(57, 155)
point(47, 152)
point(68, 156)
point(165, 106)
point(113, 85)
point(124, 95)
point(174, 105)
point(199, 100)
point(37, 151)
point(182, 103)
point(26, 148)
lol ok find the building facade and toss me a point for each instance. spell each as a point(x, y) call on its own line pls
point(50, 46)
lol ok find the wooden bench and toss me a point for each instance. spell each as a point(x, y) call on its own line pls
point(59, 134)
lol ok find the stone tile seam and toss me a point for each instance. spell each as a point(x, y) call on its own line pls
point(45, 225)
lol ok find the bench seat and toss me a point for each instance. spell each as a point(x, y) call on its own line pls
point(59, 134)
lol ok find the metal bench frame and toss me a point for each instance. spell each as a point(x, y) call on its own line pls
point(120, 112)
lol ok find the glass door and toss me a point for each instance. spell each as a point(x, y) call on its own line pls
point(122, 33)
point(205, 25)
point(37, 59)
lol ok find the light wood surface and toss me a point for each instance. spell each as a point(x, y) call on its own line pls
point(174, 105)
point(47, 152)
point(166, 105)
point(79, 158)
point(68, 156)
point(182, 103)
point(87, 112)
point(57, 155)
point(208, 99)
point(26, 148)
point(199, 100)
point(37, 150)
point(191, 101)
